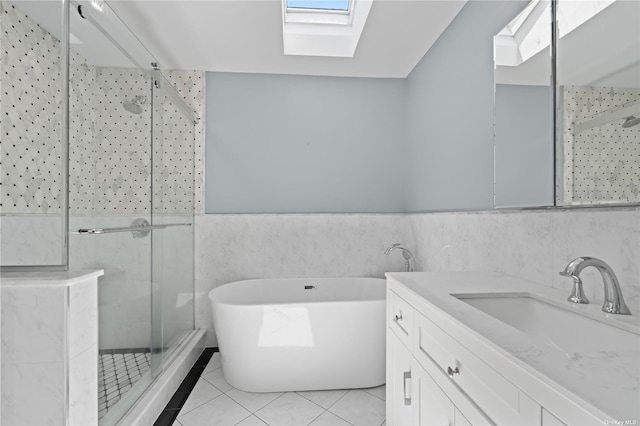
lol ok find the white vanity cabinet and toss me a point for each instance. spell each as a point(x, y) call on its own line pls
point(432, 379)
point(414, 398)
point(449, 362)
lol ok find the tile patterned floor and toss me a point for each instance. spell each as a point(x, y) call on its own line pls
point(214, 402)
point(117, 373)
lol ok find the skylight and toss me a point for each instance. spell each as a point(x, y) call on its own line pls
point(324, 5)
point(529, 33)
point(323, 27)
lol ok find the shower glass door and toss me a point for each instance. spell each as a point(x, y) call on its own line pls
point(130, 167)
point(172, 199)
point(110, 175)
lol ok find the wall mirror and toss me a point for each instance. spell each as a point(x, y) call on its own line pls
point(598, 102)
point(523, 110)
point(597, 105)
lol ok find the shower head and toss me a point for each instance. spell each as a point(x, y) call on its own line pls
point(135, 106)
point(630, 122)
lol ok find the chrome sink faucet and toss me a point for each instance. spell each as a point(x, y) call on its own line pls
point(613, 300)
point(406, 253)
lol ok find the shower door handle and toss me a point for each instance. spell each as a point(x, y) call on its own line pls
point(139, 228)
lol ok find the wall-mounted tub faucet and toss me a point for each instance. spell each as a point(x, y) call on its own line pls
point(613, 300)
point(406, 253)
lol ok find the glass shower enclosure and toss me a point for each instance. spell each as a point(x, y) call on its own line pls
point(118, 165)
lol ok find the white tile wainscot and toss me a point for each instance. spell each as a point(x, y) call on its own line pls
point(448, 361)
point(50, 348)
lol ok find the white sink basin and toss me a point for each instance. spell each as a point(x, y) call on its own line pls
point(560, 326)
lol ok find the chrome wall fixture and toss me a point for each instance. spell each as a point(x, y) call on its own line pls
point(139, 228)
point(134, 106)
point(630, 122)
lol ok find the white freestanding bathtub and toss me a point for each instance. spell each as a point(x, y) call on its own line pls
point(301, 334)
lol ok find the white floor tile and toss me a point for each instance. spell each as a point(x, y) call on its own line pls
point(289, 410)
point(360, 408)
point(379, 391)
point(252, 421)
point(252, 401)
point(324, 399)
point(329, 419)
point(220, 411)
point(216, 378)
point(214, 363)
point(202, 393)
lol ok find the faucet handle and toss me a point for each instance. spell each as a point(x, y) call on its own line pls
point(577, 295)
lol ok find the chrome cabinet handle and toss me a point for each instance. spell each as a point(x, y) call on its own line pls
point(397, 318)
point(453, 372)
point(407, 377)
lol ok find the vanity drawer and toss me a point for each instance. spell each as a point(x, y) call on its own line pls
point(400, 319)
point(500, 399)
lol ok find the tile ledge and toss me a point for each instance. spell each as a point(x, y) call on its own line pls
point(47, 279)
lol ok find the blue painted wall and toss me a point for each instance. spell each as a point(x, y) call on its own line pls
point(281, 143)
point(299, 144)
point(450, 112)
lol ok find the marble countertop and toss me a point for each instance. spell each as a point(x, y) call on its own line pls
point(605, 383)
point(47, 278)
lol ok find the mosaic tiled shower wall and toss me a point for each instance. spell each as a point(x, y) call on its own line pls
point(31, 99)
point(110, 148)
point(601, 164)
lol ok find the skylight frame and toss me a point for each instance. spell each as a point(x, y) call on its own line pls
point(318, 16)
point(324, 33)
point(346, 11)
point(528, 34)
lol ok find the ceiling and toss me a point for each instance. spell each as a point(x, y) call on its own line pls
point(245, 36)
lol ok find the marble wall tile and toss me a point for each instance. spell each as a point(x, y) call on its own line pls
point(612, 236)
point(191, 85)
point(22, 384)
point(30, 338)
point(524, 245)
point(608, 148)
point(30, 65)
point(38, 338)
point(83, 387)
point(82, 317)
point(32, 239)
point(534, 245)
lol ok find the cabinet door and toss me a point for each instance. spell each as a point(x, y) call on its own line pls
point(399, 383)
point(433, 407)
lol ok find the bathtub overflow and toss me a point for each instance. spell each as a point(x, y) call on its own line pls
point(309, 287)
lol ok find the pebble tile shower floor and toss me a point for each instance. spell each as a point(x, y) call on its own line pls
point(214, 402)
point(117, 373)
